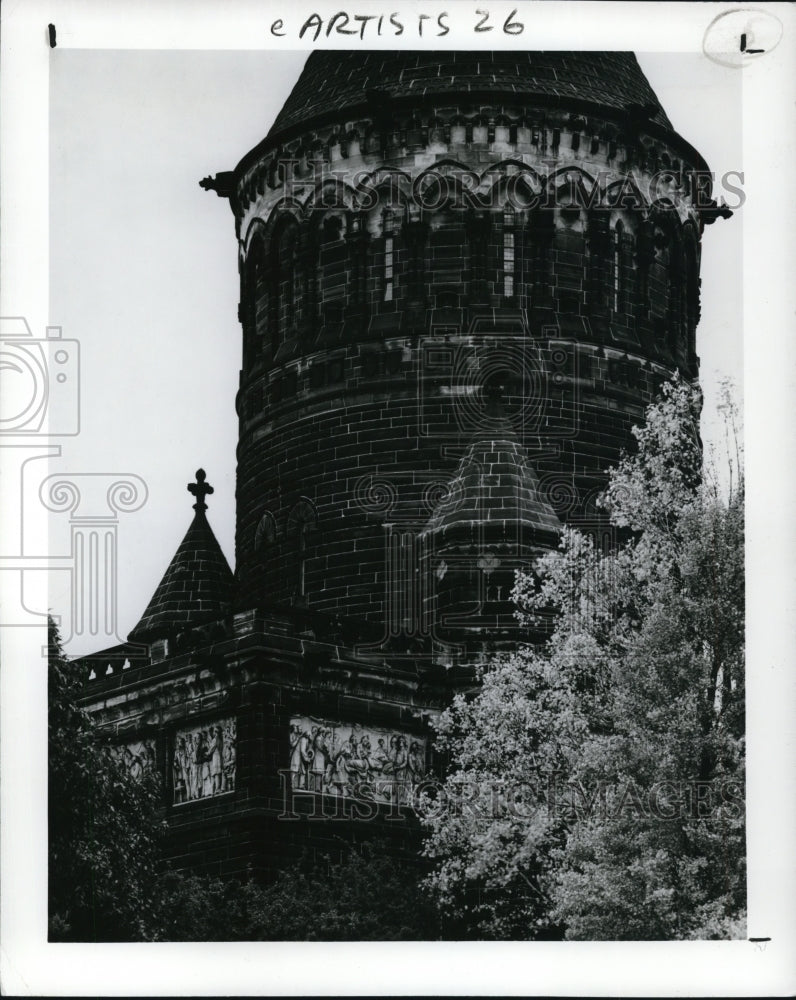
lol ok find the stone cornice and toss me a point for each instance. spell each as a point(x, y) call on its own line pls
point(597, 124)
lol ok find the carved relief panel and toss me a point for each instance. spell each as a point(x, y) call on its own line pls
point(138, 758)
point(204, 760)
point(366, 762)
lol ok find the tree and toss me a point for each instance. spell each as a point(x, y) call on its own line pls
point(104, 829)
point(613, 755)
point(367, 896)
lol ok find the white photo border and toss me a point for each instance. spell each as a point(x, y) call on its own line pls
point(31, 966)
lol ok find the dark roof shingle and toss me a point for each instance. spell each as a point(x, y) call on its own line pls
point(495, 486)
point(334, 82)
point(195, 588)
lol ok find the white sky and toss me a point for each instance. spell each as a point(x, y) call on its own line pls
point(144, 268)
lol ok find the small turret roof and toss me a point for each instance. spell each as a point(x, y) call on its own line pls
point(496, 487)
point(197, 584)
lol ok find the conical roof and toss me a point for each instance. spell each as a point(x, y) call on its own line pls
point(336, 83)
point(495, 490)
point(197, 585)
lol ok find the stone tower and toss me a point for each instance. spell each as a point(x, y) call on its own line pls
point(463, 277)
point(418, 227)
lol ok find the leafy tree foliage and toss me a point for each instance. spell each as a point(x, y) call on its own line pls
point(595, 786)
point(103, 825)
point(366, 897)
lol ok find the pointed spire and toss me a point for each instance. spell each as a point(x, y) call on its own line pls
point(197, 584)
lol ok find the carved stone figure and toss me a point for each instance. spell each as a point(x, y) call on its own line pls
point(340, 772)
point(194, 771)
point(417, 766)
point(138, 758)
point(400, 761)
point(230, 758)
point(319, 758)
point(214, 752)
point(380, 755)
point(359, 761)
point(300, 757)
point(203, 764)
point(179, 772)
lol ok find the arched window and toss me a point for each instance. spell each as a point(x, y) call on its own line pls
point(254, 301)
point(266, 532)
point(299, 284)
point(301, 523)
point(282, 267)
point(333, 271)
point(509, 249)
point(357, 239)
point(600, 252)
point(478, 230)
point(539, 239)
point(287, 281)
point(644, 258)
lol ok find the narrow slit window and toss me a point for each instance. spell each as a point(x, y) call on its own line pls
point(297, 296)
point(508, 253)
point(389, 258)
point(290, 286)
point(618, 269)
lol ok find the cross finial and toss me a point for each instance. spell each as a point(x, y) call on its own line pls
point(200, 490)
